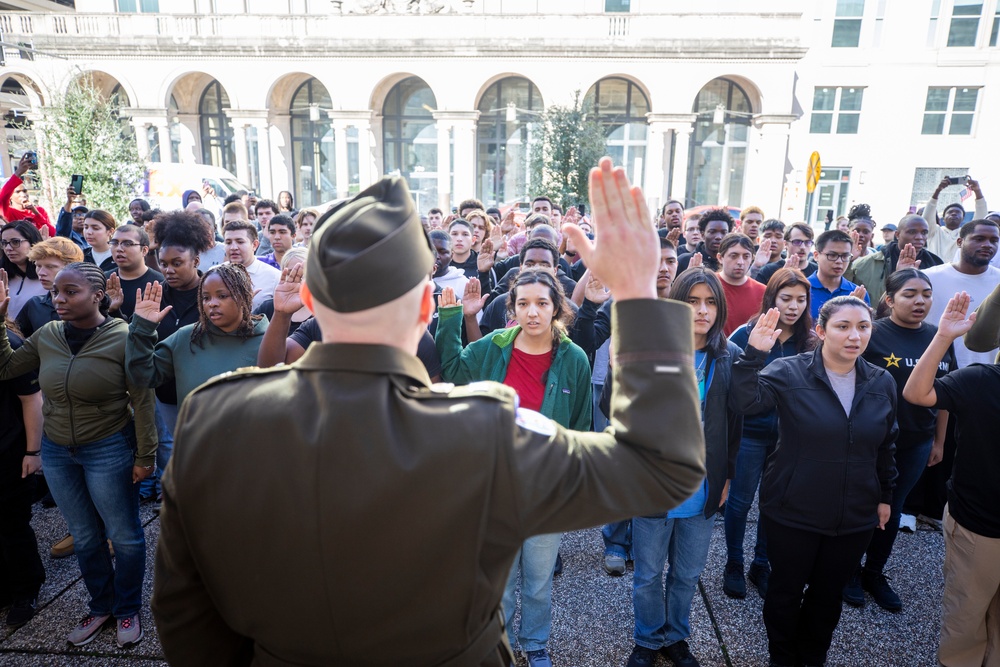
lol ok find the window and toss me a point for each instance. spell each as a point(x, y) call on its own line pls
point(965, 22)
point(838, 108)
point(410, 139)
point(717, 158)
point(949, 108)
point(508, 112)
point(847, 24)
point(144, 6)
point(617, 5)
point(621, 109)
point(933, 24)
point(217, 146)
point(313, 156)
point(996, 28)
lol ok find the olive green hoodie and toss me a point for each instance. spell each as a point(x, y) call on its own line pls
point(86, 396)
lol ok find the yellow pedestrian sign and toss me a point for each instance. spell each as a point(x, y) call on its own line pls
point(812, 178)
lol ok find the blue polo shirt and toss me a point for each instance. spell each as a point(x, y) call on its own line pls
point(821, 295)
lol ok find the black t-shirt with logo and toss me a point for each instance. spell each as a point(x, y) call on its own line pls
point(897, 349)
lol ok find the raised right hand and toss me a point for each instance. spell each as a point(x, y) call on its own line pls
point(147, 304)
point(4, 298)
point(287, 294)
point(696, 260)
point(484, 261)
point(793, 261)
point(117, 295)
point(764, 334)
point(954, 323)
point(447, 298)
point(472, 299)
point(625, 251)
point(763, 255)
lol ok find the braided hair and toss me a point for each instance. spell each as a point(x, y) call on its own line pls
point(98, 282)
point(860, 212)
point(240, 287)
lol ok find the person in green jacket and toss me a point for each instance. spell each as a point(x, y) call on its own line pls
point(98, 442)
point(551, 375)
point(226, 336)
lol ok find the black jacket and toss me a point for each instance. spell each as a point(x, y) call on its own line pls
point(828, 472)
point(723, 426)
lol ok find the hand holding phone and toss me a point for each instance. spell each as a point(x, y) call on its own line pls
point(76, 182)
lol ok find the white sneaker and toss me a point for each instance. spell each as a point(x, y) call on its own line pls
point(908, 522)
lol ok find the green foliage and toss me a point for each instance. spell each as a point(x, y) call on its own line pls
point(568, 143)
point(82, 133)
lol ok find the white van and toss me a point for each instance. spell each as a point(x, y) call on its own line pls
point(166, 182)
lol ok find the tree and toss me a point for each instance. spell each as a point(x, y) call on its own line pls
point(568, 143)
point(82, 133)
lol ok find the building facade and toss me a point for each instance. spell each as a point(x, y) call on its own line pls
point(719, 102)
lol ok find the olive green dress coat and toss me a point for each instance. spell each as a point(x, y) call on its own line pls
point(339, 511)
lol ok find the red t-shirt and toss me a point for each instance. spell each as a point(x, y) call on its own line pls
point(39, 219)
point(526, 376)
point(742, 303)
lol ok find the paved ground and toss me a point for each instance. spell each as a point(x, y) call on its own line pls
point(592, 624)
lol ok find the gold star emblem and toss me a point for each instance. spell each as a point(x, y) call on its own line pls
point(892, 360)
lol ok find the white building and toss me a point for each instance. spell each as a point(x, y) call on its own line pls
point(715, 102)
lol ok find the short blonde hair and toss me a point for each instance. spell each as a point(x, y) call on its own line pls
point(57, 247)
point(294, 256)
point(751, 209)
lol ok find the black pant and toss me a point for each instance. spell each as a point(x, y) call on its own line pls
point(930, 495)
point(800, 625)
point(21, 570)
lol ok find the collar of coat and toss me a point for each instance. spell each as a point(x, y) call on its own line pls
point(358, 358)
point(505, 337)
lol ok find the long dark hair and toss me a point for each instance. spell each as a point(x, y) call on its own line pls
point(28, 231)
point(802, 330)
point(240, 287)
point(562, 315)
point(680, 290)
point(893, 284)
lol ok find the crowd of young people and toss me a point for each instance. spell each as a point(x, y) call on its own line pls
point(785, 339)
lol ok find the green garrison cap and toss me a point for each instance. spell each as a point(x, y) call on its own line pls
point(369, 250)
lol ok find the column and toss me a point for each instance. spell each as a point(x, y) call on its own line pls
point(766, 160)
point(362, 121)
point(369, 147)
point(163, 134)
point(264, 155)
point(280, 136)
point(340, 154)
point(465, 155)
point(141, 138)
point(463, 124)
point(240, 148)
point(190, 150)
point(444, 163)
point(657, 161)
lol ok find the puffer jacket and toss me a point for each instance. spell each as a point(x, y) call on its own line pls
point(829, 471)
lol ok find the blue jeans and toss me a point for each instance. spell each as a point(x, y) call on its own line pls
point(535, 561)
point(911, 461)
point(749, 468)
point(93, 483)
point(662, 616)
point(166, 420)
point(618, 539)
point(600, 419)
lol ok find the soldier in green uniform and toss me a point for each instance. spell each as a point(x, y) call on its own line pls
point(342, 511)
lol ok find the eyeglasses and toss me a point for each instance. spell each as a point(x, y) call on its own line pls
point(14, 243)
point(128, 245)
point(837, 256)
point(798, 243)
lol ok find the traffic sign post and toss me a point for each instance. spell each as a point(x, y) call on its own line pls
point(812, 179)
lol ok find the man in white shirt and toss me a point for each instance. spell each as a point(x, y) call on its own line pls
point(972, 273)
point(241, 242)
